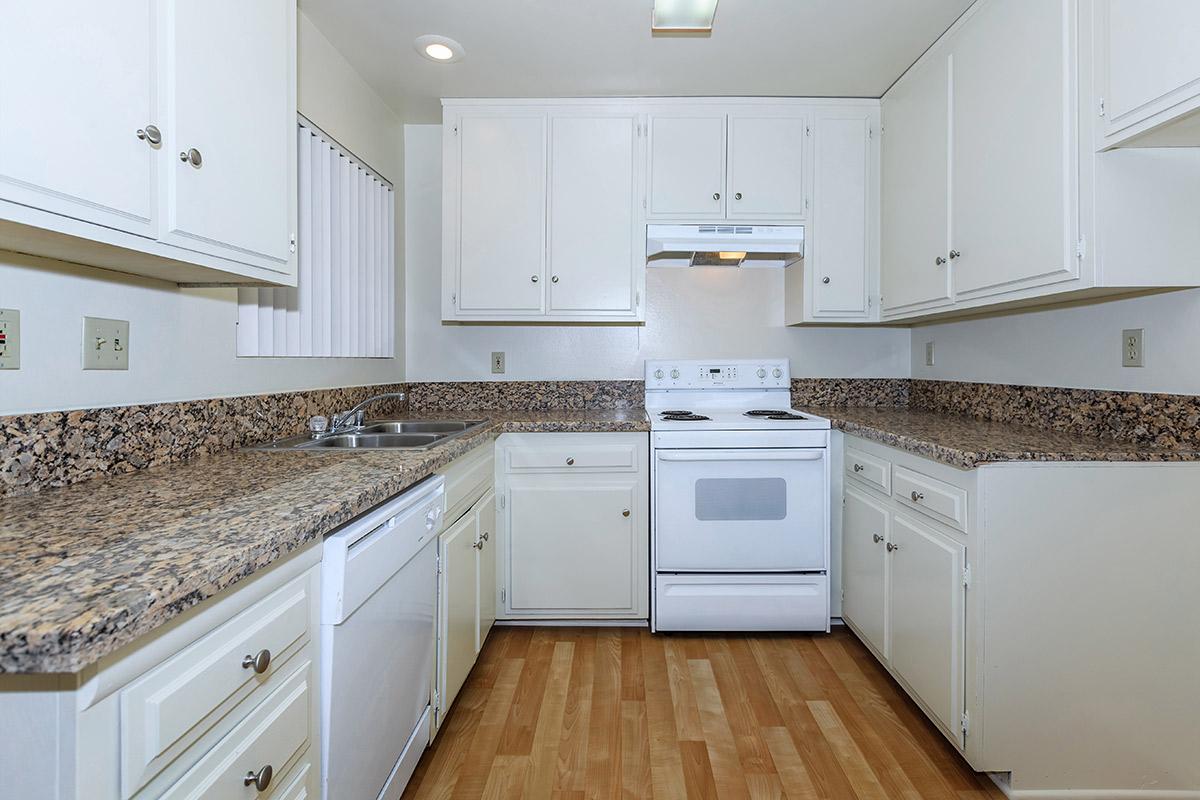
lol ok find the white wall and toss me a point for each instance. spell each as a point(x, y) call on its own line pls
point(182, 340)
point(690, 313)
point(1077, 347)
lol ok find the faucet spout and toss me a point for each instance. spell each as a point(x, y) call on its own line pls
point(354, 418)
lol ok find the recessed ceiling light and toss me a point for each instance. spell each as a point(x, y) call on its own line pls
point(683, 16)
point(441, 49)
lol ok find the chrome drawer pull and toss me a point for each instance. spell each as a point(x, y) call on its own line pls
point(891, 547)
point(259, 780)
point(917, 497)
point(858, 467)
point(570, 462)
point(877, 538)
point(260, 662)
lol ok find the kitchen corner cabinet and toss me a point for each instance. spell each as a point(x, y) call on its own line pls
point(466, 573)
point(970, 226)
point(993, 596)
point(574, 526)
point(165, 137)
point(542, 214)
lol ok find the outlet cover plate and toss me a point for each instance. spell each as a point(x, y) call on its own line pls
point(105, 343)
point(10, 338)
point(498, 362)
point(1131, 347)
point(929, 354)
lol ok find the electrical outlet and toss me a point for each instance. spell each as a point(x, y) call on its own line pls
point(10, 338)
point(498, 362)
point(105, 343)
point(929, 354)
point(1131, 347)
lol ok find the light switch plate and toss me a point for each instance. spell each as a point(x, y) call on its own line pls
point(105, 343)
point(1131, 347)
point(498, 362)
point(929, 354)
point(10, 338)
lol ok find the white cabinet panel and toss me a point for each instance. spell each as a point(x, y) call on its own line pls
point(76, 85)
point(501, 219)
point(572, 544)
point(595, 243)
point(229, 111)
point(842, 229)
point(925, 616)
point(1010, 204)
point(766, 167)
point(487, 541)
point(458, 599)
point(687, 166)
point(865, 532)
point(915, 187)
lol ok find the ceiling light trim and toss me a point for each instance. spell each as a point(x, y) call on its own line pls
point(683, 16)
point(430, 43)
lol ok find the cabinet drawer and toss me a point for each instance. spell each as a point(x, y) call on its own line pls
point(275, 734)
point(562, 458)
point(468, 478)
point(933, 498)
point(873, 471)
point(166, 710)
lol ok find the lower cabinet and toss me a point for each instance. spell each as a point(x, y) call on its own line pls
point(574, 519)
point(865, 527)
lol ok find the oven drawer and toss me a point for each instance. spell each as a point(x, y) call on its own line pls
point(935, 499)
point(567, 458)
point(873, 471)
point(741, 603)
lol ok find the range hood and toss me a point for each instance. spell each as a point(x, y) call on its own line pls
point(724, 245)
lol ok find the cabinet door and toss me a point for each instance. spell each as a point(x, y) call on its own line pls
point(766, 167)
point(458, 608)
point(926, 616)
point(915, 187)
point(76, 85)
point(502, 214)
point(572, 544)
point(1147, 62)
point(230, 80)
point(865, 528)
point(1010, 205)
point(595, 243)
point(687, 166)
point(842, 230)
point(485, 526)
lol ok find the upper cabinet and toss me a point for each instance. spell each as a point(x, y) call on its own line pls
point(687, 166)
point(1147, 72)
point(766, 166)
point(165, 137)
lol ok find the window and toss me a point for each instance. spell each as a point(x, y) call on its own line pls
point(344, 303)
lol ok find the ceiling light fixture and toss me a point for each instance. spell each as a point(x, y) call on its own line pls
point(683, 16)
point(441, 49)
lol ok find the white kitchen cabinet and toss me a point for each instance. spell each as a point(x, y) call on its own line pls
point(766, 166)
point(488, 541)
point(1147, 72)
point(574, 525)
point(687, 165)
point(117, 97)
point(597, 249)
point(925, 615)
point(914, 263)
point(865, 527)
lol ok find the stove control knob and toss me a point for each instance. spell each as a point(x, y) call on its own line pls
point(777, 372)
point(675, 374)
point(658, 373)
point(762, 373)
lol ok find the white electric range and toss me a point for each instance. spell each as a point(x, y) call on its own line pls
point(739, 489)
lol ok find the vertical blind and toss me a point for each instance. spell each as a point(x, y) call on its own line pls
point(344, 301)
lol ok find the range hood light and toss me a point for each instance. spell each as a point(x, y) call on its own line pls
point(725, 255)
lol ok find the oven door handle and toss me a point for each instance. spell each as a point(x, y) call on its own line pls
point(743, 455)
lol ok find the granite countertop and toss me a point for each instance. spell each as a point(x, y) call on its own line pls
point(966, 442)
point(90, 568)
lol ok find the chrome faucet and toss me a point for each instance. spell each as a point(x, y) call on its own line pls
point(354, 418)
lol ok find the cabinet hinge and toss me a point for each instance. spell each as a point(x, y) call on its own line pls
point(453, 299)
point(437, 701)
point(966, 724)
point(1101, 106)
point(502, 501)
point(870, 133)
point(967, 576)
point(292, 243)
point(439, 565)
point(807, 131)
point(1081, 247)
point(637, 300)
point(455, 129)
point(503, 594)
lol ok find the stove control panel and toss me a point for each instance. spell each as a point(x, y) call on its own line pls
point(739, 374)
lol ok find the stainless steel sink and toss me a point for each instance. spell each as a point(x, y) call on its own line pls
point(384, 434)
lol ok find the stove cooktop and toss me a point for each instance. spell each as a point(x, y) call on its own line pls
point(736, 419)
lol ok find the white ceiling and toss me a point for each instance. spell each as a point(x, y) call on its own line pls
point(580, 48)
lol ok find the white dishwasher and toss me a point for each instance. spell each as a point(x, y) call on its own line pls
point(378, 601)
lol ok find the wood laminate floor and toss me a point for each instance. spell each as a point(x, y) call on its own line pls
point(579, 713)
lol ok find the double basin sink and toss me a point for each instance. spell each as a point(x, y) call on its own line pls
point(382, 435)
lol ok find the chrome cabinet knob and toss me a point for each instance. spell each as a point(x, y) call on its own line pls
point(892, 547)
point(259, 662)
point(858, 467)
point(877, 538)
point(737, 196)
point(939, 261)
point(151, 135)
point(716, 195)
point(259, 780)
point(478, 545)
point(955, 254)
point(825, 279)
point(485, 536)
point(533, 278)
point(917, 497)
point(570, 462)
point(625, 513)
point(554, 279)
point(192, 157)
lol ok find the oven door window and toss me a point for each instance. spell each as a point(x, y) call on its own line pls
point(741, 510)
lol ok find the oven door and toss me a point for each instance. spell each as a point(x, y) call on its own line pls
point(762, 510)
